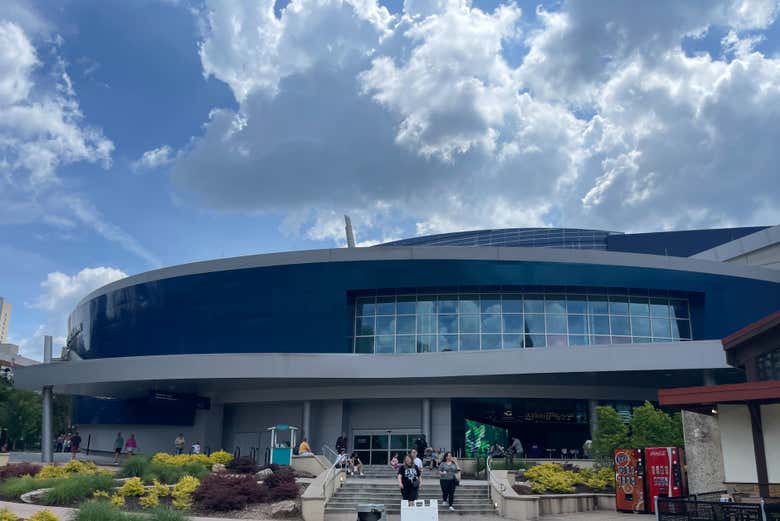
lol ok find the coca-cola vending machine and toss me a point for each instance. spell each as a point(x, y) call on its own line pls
point(630, 480)
point(665, 473)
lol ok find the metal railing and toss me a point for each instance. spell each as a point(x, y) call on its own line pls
point(492, 481)
point(692, 509)
point(332, 472)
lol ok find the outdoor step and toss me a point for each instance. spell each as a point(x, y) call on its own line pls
point(397, 510)
point(433, 494)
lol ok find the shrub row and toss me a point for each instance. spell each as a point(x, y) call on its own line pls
point(150, 470)
point(17, 470)
point(222, 492)
point(100, 510)
point(552, 477)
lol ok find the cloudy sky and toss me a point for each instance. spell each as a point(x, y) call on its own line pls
point(135, 135)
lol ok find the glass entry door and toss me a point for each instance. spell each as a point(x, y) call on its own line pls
point(378, 447)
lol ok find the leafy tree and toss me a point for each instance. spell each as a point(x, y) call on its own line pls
point(651, 427)
point(20, 414)
point(611, 433)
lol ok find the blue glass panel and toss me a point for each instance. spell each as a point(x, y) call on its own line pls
point(364, 344)
point(448, 304)
point(385, 305)
point(426, 305)
point(557, 341)
point(599, 325)
point(385, 344)
point(490, 303)
point(426, 343)
point(620, 326)
point(640, 326)
point(469, 342)
point(556, 324)
point(641, 339)
point(661, 328)
point(469, 323)
point(577, 304)
point(448, 324)
point(491, 323)
point(577, 325)
point(679, 308)
point(405, 344)
point(513, 323)
point(621, 339)
point(535, 341)
point(405, 324)
point(534, 324)
point(490, 342)
point(578, 340)
point(681, 329)
point(426, 323)
point(618, 305)
point(601, 339)
point(448, 342)
point(406, 305)
point(659, 307)
point(385, 325)
point(469, 304)
point(597, 305)
point(533, 304)
point(639, 307)
point(513, 341)
point(555, 304)
point(512, 303)
point(365, 325)
point(365, 306)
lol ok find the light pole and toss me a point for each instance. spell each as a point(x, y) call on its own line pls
point(46, 397)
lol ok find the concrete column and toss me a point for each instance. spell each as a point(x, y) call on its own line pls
point(46, 401)
point(306, 427)
point(426, 419)
point(592, 417)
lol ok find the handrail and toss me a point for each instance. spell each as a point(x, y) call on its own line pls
point(330, 454)
point(491, 479)
point(332, 471)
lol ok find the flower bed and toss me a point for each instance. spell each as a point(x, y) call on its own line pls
point(557, 479)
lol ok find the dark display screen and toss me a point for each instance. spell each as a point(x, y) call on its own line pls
point(138, 411)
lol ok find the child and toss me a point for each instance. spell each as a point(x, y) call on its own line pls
point(394, 462)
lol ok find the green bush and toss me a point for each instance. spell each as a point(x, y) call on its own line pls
point(13, 488)
point(149, 470)
point(76, 488)
point(611, 433)
point(135, 467)
point(101, 510)
point(166, 514)
point(651, 427)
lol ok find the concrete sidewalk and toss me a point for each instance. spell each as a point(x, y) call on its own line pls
point(598, 515)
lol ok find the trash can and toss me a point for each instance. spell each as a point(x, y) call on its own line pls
point(371, 512)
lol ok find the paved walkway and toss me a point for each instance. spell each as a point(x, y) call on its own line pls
point(598, 515)
point(61, 457)
point(65, 514)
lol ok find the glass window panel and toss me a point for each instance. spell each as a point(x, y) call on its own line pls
point(365, 306)
point(448, 324)
point(557, 341)
point(385, 325)
point(406, 305)
point(426, 323)
point(426, 343)
point(513, 323)
point(577, 304)
point(398, 442)
point(385, 344)
point(620, 326)
point(659, 307)
point(599, 325)
point(639, 307)
point(513, 341)
point(469, 323)
point(379, 441)
point(578, 340)
point(640, 326)
point(512, 303)
point(618, 305)
point(681, 329)
point(448, 304)
point(385, 305)
point(535, 341)
point(641, 339)
point(556, 324)
point(597, 305)
point(469, 342)
point(662, 328)
point(469, 304)
point(534, 324)
point(679, 308)
point(426, 305)
point(621, 339)
point(365, 325)
point(491, 342)
point(490, 304)
point(577, 325)
point(533, 304)
point(362, 442)
point(491, 323)
point(601, 339)
point(364, 344)
point(405, 324)
point(448, 342)
point(555, 304)
point(405, 344)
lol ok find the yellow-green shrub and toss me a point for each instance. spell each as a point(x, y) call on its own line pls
point(71, 468)
point(180, 460)
point(7, 515)
point(149, 500)
point(182, 492)
point(598, 479)
point(43, 515)
point(551, 477)
point(221, 456)
point(160, 489)
point(132, 487)
point(100, 494)
point(117, 500)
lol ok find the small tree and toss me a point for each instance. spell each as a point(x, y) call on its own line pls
point(611, 433)
point(651, 427)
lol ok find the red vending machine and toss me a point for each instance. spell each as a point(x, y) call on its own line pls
point(665, 473)
point(630, 480)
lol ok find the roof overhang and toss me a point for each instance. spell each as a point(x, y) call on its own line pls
point(768, 391)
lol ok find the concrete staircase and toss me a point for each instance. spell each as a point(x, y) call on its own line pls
point(380, 487)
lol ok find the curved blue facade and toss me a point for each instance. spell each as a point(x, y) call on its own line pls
point(310, 307)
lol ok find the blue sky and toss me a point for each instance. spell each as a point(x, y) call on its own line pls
point(156, 132)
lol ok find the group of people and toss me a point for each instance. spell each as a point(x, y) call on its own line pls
point(68, 442)
point(409, 475)
point(130, 446)
point(515, 449)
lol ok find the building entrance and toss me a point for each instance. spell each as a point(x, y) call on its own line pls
point(378, 447)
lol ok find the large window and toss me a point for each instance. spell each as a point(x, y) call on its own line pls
point(769, 365)
point(417, 323)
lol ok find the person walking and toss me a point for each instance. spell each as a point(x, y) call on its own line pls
point(75, 441)
point(179, 443)
point(119, 443)
point(410, 480)
point(448, 479)
point(131, 445)
point(416, 459)
point(514, 449)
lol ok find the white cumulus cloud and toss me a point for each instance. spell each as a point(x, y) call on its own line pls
point(154, 158)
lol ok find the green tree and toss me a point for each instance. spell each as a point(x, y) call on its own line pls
point(20, 414)
point(611, 433)
point(651, 427)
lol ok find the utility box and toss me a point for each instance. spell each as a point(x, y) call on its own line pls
point(420, 510)
point(371, 512)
